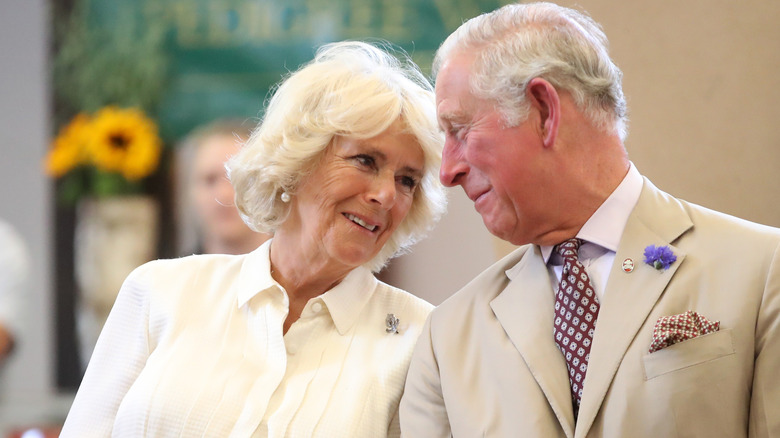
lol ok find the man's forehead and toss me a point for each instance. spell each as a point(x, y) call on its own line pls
point(452, 85)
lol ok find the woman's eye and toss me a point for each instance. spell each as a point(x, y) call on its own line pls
point(208, 180)
point(366, 160)
point(408, 182)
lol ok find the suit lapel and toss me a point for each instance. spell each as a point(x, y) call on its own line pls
point(525, 311)
point(658, 219)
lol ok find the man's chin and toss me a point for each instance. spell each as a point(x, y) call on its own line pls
point(496, 229)
point(506, 232)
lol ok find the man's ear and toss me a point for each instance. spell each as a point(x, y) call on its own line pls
point(544, 98)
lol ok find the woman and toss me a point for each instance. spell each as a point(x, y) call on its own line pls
point(208, 222)
point(296, 338)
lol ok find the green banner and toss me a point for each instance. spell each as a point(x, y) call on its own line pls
point(224, 55)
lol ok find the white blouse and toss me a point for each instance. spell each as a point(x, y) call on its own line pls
point(194, 347)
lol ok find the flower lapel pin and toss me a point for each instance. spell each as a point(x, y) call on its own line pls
point(392, 324)
point(659, 257)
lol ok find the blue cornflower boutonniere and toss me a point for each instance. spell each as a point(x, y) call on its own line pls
point(659, 257)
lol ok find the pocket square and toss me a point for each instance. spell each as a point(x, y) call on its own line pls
point(670, 330)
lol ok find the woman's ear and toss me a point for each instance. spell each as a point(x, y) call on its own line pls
point(543, 97)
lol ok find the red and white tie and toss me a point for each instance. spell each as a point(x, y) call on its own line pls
point(576, 311)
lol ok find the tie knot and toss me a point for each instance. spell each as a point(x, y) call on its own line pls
point(568, 248)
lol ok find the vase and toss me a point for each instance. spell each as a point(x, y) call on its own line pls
point(113, 236)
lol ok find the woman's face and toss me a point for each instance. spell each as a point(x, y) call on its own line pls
point(211, 192)
point(356, 197)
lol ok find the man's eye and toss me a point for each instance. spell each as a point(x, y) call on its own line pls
point(456, 132)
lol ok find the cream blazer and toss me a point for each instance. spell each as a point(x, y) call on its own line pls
point(486, 364)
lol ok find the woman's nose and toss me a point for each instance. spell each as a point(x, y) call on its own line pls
point(383, 191)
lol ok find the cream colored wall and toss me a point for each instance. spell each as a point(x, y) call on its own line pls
point(702, 79)
point(703, 85)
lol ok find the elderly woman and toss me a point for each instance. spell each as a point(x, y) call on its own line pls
point(297, 338)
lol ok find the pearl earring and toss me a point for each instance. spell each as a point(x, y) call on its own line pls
point(285, 197)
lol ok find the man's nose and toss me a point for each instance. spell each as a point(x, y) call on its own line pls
point(453, 165)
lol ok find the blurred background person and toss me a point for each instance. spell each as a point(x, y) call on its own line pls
point(208, 221)
point(14, 272)
point(296, 338)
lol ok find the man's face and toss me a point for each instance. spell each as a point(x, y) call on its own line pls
point(500, 168)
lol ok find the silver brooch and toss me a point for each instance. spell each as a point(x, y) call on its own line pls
point(392, 324)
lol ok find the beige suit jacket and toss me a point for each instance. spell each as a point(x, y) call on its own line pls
point(486, 363)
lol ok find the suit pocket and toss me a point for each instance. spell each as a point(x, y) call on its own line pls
point(689, 353)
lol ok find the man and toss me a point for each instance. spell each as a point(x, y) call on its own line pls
point(685, 301)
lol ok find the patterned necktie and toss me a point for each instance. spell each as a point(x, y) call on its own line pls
point(576, 311)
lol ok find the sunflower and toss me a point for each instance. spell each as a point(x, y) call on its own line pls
point(124, 141)
point(105, 154)
point(69, 149)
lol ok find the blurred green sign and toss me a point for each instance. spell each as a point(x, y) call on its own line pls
point(224, 55)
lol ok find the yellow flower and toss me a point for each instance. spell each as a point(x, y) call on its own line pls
point(105, 154)
point(124, 141)
point(69, 147)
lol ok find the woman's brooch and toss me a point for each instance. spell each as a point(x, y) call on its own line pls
point(392, 324)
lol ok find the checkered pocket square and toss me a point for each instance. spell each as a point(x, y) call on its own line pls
point(670, 330)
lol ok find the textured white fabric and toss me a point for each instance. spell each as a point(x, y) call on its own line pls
point(194, 347)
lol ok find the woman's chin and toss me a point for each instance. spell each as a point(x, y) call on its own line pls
point(355, 257)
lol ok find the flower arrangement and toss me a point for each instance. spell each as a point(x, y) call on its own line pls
point(108, 81)
point(105, 154)
point(659, 257)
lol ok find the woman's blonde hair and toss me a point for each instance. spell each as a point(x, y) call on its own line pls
point(350, 89)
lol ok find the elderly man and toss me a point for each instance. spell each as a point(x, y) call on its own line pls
point(625, 312)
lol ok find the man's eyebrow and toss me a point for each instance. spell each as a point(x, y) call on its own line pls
point(450, 116)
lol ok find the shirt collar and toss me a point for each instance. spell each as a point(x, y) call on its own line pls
point(255, 275)
point(344, 301)
point(606, 225)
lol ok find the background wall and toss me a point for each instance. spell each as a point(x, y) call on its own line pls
point(701, 77)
